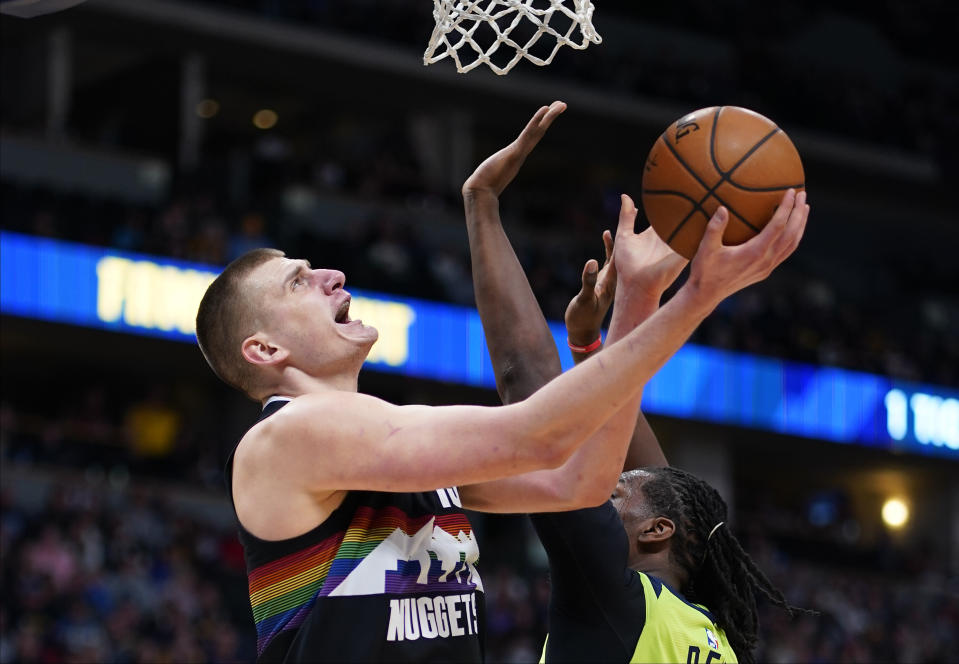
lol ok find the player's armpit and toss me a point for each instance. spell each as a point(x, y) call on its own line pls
point(349, 441)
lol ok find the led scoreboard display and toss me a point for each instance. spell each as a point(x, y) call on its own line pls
point(131, 293)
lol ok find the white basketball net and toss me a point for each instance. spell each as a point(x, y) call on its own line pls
point(457, 22)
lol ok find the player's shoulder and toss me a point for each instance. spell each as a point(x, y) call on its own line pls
point(307, 417)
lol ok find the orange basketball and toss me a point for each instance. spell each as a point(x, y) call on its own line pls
point(723, 155)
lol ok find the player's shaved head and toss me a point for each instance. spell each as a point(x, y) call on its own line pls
point(226, 317)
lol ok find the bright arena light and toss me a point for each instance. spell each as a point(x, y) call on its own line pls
point(265, 118)
point(895, 513)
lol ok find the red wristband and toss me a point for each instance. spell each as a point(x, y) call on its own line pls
point(585, 349)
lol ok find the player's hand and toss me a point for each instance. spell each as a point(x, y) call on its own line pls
point(586, 311)
point(646, 265)
point(494, 174)
point(719, 271)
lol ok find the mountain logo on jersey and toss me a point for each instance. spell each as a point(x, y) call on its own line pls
point(711, 640)
point(383, 550)
point(431, 559)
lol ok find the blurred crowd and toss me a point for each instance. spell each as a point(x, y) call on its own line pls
point(99, 570)
point(123, 578)
point(164, 430)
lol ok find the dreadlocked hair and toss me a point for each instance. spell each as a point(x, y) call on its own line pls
point(721, 575)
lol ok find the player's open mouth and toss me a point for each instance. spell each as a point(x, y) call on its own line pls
point(343, 313)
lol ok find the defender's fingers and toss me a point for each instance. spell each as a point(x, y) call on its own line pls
point(552, 112)
point(539, 123)
point(608, 245)
point(606, 288)
point(531, 132)
point(590, 271)
point(627, 216)
point(537, 117)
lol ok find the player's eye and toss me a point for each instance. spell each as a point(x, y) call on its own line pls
point(298, 281)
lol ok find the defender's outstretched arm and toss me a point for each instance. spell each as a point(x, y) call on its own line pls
point(520, 344)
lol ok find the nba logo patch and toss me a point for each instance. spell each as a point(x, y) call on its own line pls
point(711, 640)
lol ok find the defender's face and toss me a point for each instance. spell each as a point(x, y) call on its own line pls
point(628, 498)
point(630, 503)
point(308, 311)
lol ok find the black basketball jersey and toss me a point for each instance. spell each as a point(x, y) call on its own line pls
point(387, 577)
point(600, 610)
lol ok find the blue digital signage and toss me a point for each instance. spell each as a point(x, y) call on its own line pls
point(69, 283)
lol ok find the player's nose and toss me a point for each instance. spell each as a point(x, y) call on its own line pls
point(331, 280)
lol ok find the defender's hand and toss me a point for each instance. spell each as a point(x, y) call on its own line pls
point(494, 174)
point(586, 311)
point(719, 271)
point(646, 265)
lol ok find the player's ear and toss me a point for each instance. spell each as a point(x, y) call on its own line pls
point(655, 530)
point(259, 350)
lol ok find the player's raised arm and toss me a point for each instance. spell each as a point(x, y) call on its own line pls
point(357, 442)
point(304, 345)
point(344, 441)
point(644, 448)
point(650, 267)
point(521, 347)
point(617, 374)
point(589, 475)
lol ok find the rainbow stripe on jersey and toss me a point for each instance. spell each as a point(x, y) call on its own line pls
point(398, 554)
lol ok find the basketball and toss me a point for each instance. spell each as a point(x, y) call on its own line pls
point(722, 155)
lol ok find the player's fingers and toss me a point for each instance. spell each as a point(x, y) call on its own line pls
point(608, 273)
point(799, 231)
point(552, 112)
point(713, 237)
point(627, 216)
point(774, 229)
point(608, 244)
point(531, 133)
point(787, 241)
point(537, 118)
point(781, 244)
point(590, 270)
point(539, 123)
point(794, 229)
point(797, 219)
point(606, 289)
point(765, 250)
